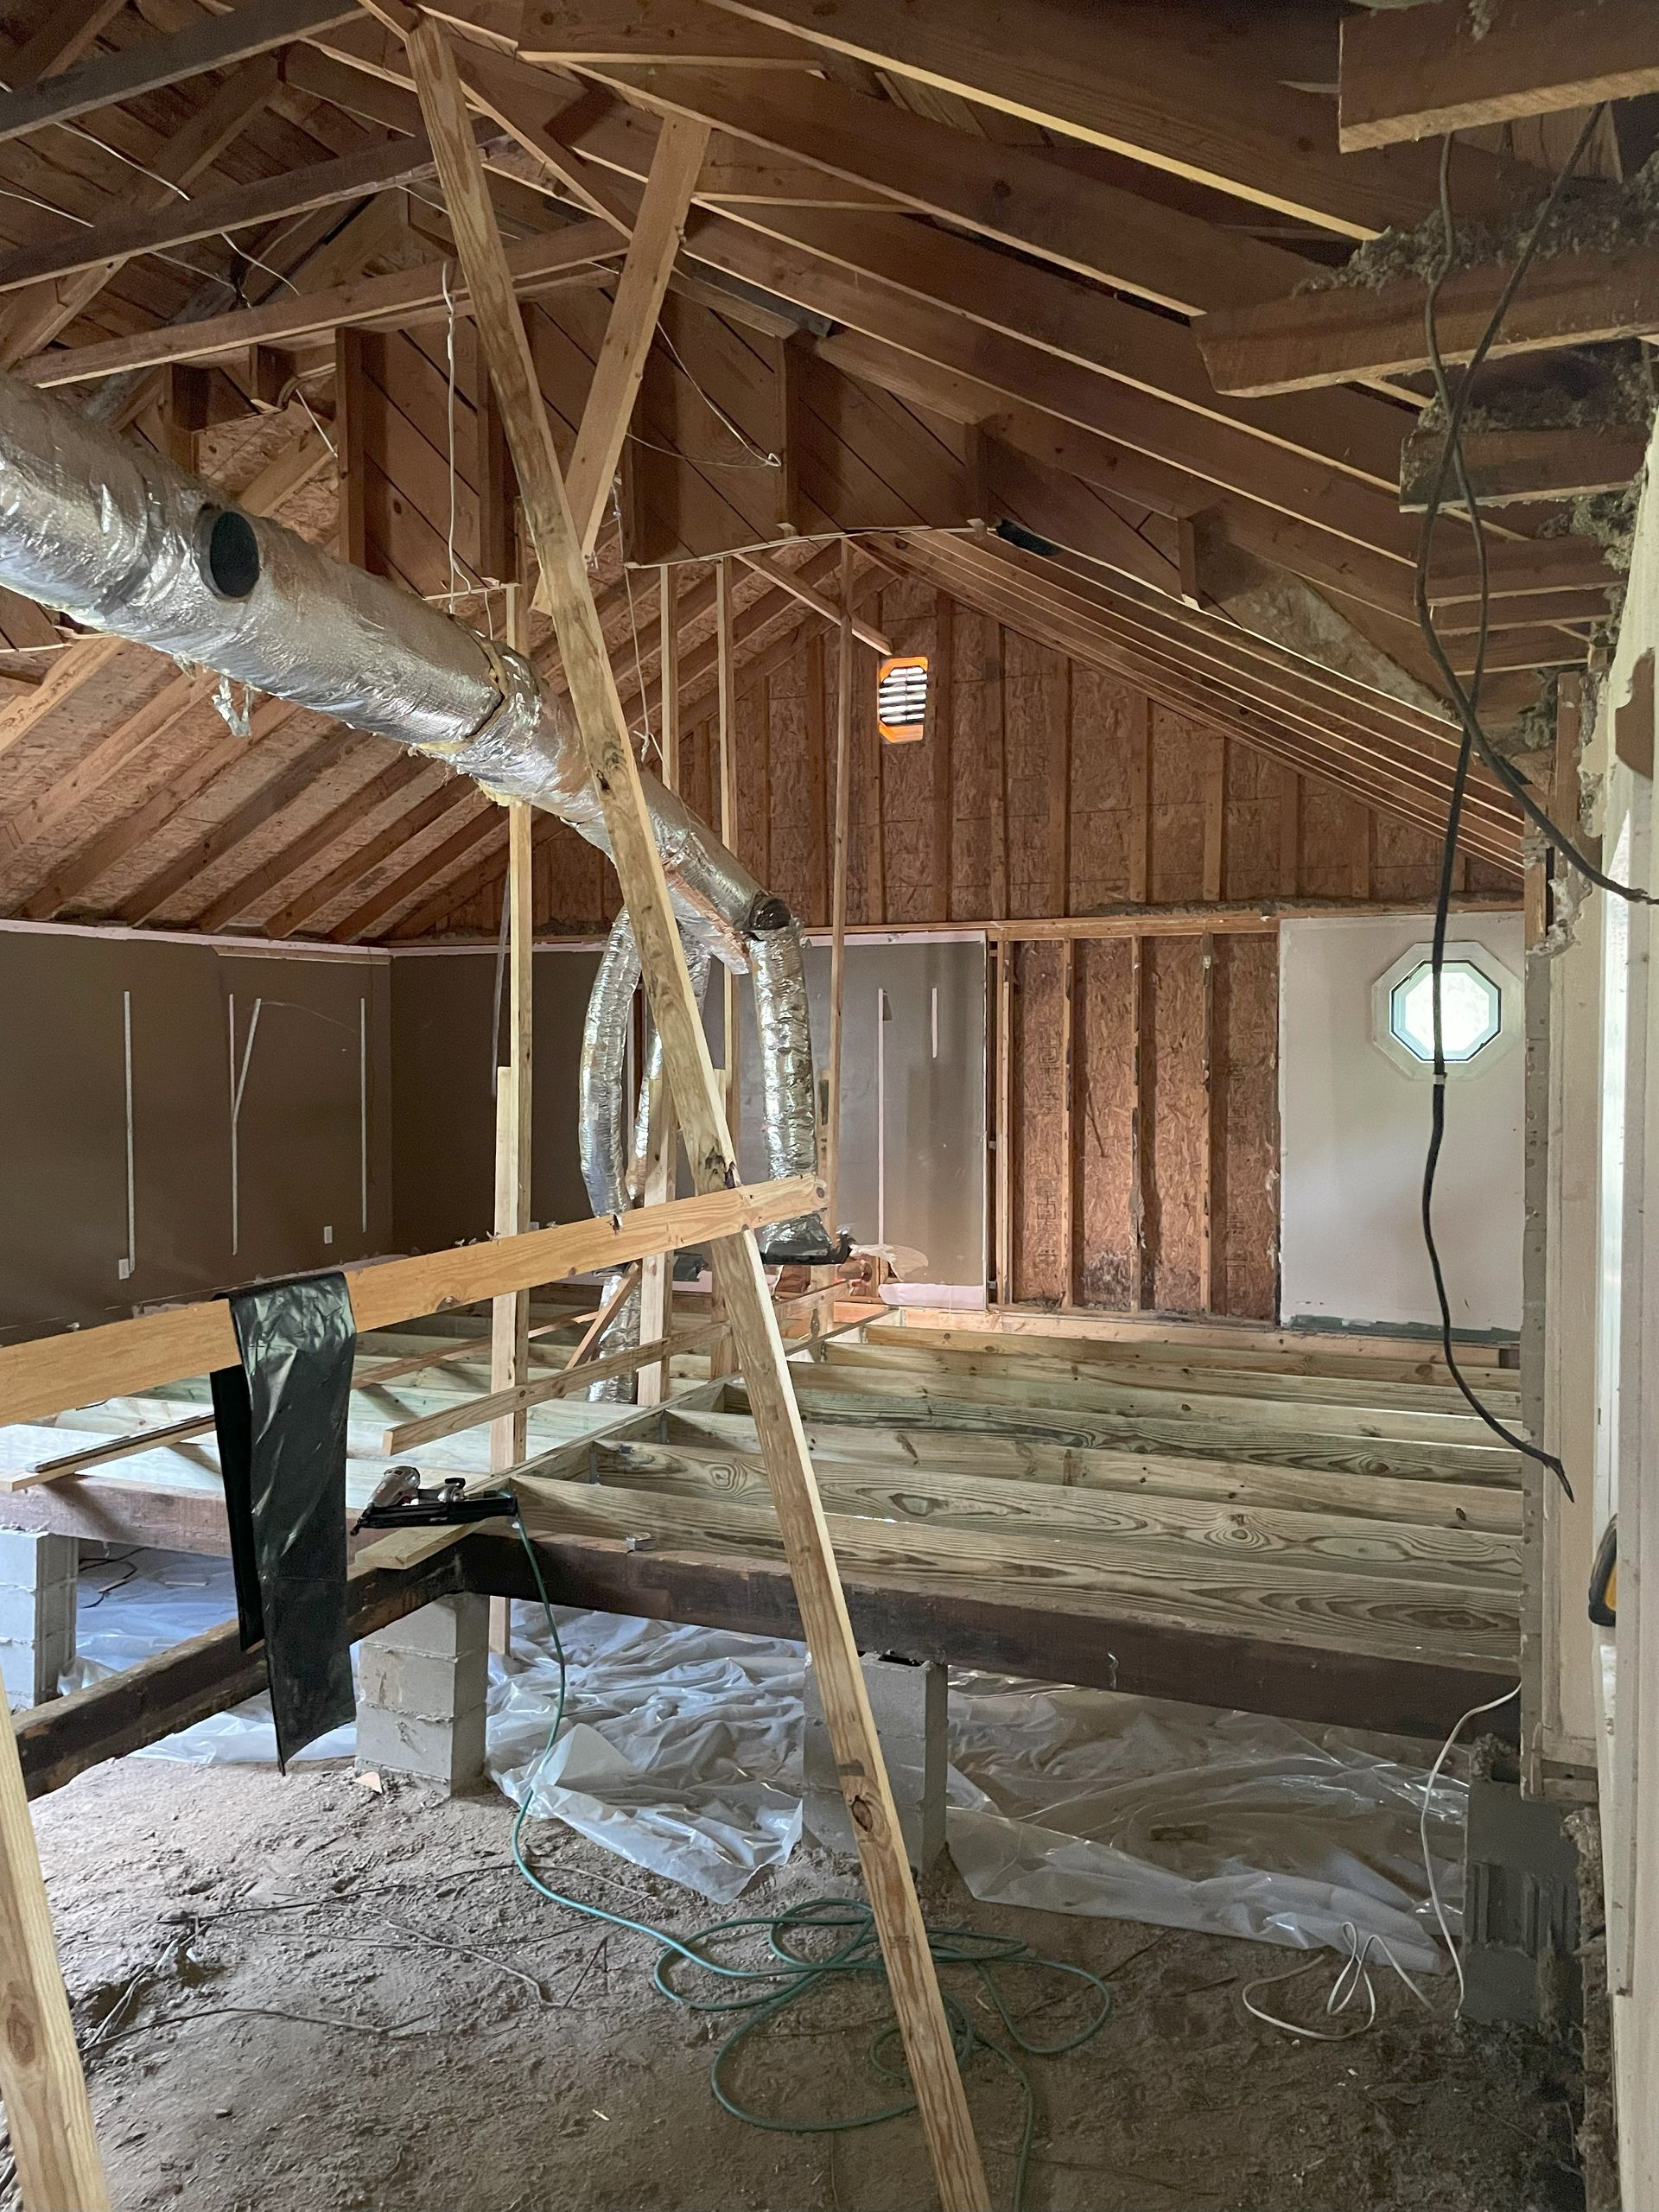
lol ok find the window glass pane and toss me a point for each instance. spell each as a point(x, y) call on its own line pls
point(1470, 1010)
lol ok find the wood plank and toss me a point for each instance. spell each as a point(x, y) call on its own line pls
point(73, 1369)
point(1406, 1358)
point(471, 1413)
point(123, 236)
point(1011, 1633)
point(628, 333)
point(797, 586)
point(1111, 1524)
point(889, 1368)
point(48, 2117)
point(34, 320)
point(212, 42)
point(1036, 199)
point(1518, 465)
point(212, 846)
point(514, 1128)
point(575, 32)
point(1145, 87)
point(1257, 1485)
point(609, 753)
point(1160, 1366)
point(1421, 71)
point(1319, 338)
point(838, 861)
point(1090, 1430)
point(1404, 1617)
point(397, 302)
point(62, 37)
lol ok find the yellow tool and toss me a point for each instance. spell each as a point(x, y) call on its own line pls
point(1604, 1577)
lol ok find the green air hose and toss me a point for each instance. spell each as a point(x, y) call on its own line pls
point(763, 1992)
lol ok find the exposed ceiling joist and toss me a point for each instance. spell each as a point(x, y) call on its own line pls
point(213, 42)
point(392, 303)
point(1329, 337)
point(1417, 73)
point(1133, 80)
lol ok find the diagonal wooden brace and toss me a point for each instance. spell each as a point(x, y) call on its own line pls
point(939, 2092)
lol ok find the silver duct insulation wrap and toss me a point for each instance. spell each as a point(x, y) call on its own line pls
point(778, 975)
point(608, 1152)
point(120, 539)
point(784, 1030)
point(123, 541)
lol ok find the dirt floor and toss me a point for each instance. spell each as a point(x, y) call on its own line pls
point(299, 1995)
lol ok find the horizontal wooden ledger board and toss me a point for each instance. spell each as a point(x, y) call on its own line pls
point(76, 1368)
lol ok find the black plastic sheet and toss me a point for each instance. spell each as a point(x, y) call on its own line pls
point(282, 1418)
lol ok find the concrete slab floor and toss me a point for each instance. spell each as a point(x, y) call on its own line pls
point(534, 2068)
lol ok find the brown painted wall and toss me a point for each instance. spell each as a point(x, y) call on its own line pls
point(930, 1101)
point(443, 1137)
point(63, 1173)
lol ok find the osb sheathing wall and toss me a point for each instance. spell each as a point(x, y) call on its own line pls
point(1047, 790)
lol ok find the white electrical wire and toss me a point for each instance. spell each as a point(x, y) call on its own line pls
point(1354, 1974)
point(1422, 1827)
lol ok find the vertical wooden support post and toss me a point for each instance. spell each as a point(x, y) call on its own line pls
point(838, 890)
point(1207, 1160)
point(1005, 1283)
point(510, 1316)
point(351, 378)
point(789, 364)
point(1140, 799)
point(820, 768)
point(48, 2116)
point(1137, 1127)
point(726, 676)
point(1214, 863)
point(184, 412)
point(930, 2055)
point(996, 745)
point(1290, 834)
point(1068, 1127)
point(1059, 797)
point(941, 715)
point(657, 1272)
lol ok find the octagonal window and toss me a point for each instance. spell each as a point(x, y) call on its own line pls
point(1471, 1011)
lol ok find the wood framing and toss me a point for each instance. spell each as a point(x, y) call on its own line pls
point(49, 2118)
point(1329, 337)
point(691, 1075)
point(52, 1372)
point(1421, 73)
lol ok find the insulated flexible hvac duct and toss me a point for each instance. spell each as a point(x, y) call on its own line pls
point(607, 1148)
point(121, 540)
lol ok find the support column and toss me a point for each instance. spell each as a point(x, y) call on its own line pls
point(421, 1688)
point(37, 1613)
point(909, 1703)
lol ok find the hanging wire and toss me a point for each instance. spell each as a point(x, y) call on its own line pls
point(1475, 740)
point(650, 744)
point(766, 460)
point(449, 362)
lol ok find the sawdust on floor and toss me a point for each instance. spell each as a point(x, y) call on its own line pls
point(302, 1996)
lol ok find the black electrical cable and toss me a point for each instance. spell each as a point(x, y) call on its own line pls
point(1474, 738)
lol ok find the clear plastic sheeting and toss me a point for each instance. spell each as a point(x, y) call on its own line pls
point(682, 1754)
point(681, 1750)
point(134, 1605)
point(1126, 1808)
